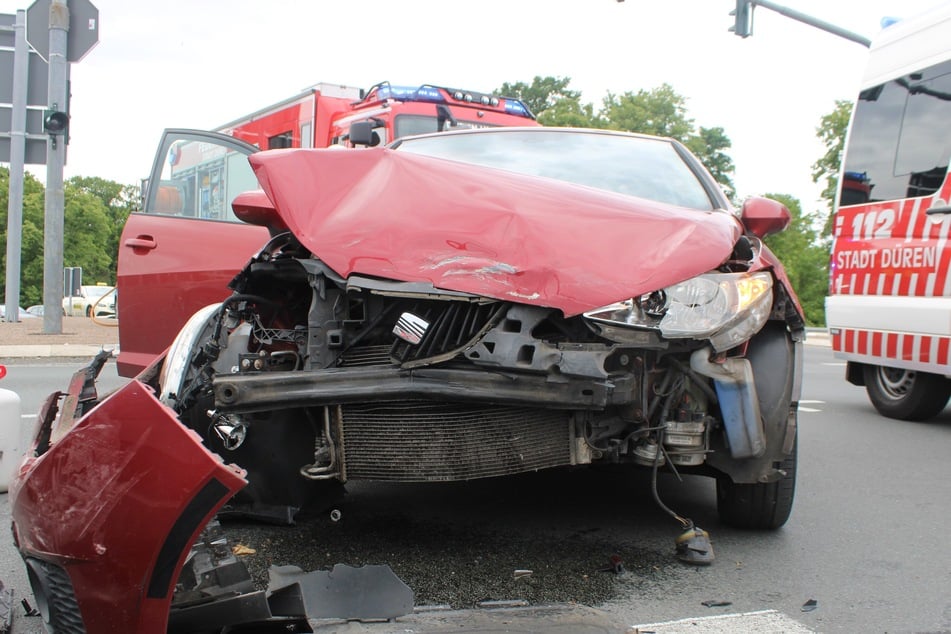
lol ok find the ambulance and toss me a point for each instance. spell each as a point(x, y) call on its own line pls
point(889, 304)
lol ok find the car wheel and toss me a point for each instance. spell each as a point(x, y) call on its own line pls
point(759, 506)
point(906, 394)
point(88, 311)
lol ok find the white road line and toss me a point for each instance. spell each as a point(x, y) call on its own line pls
point(760, 621)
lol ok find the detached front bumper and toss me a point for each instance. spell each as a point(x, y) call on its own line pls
point(106, 508)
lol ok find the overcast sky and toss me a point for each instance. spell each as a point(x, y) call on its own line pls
point(202, 63)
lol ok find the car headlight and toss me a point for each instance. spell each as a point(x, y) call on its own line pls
point(726, 308)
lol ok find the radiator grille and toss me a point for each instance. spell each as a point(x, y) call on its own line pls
point(424, 442)
point(451, 325)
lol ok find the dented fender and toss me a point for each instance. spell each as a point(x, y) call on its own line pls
point(104, 512)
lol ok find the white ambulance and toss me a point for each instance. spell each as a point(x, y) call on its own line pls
point(889, 304)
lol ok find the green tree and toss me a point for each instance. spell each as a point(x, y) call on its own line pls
point(831, 131)
point(710, 145)
point(570, 113)
point(87, 236)
point(542, 94)
point(93, 215)
point(119, 201)
point(805, 257)
point(659, 111)
point(31, 237)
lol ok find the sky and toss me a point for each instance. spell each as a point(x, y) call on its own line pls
point(203, 63)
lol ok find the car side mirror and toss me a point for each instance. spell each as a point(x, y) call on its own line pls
point(255, 208)
point(361, 133)
point(763, 216)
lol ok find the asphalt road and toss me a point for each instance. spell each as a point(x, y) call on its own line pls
point(866, 540)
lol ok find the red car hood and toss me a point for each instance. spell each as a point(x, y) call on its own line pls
point(401, 216)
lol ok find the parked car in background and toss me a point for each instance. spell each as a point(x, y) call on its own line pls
point(35, 310)
point(99, 299)
point(23, 313)
point(449, 307)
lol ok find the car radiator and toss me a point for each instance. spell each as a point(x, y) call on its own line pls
point(414, 441)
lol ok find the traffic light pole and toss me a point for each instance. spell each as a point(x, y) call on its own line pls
point(56, 158)
point(21, 60)
point(744, 20)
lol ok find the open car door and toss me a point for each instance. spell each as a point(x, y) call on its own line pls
point(179, 253)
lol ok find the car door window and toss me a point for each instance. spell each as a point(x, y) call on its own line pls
point(198, 176)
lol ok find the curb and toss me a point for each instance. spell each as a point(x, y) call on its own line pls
point(63, 350)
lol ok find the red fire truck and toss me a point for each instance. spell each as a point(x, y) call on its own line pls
point(324, 114)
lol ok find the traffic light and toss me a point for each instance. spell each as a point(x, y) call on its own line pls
point(743, 15)
point(55, 121)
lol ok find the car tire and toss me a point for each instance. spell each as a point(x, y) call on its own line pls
point(906, 394)
point(759, 506)
point(88, 311)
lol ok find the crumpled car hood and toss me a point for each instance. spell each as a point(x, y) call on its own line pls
point(400, 216)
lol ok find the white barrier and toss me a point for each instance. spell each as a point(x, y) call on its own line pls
point(10, 453)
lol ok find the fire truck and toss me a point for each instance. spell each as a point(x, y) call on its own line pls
point(889, 303)
point(324, 115)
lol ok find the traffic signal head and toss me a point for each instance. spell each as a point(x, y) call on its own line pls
point(743, 18)
point(55, 121)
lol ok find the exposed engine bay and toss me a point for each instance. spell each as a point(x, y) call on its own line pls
point(306, 378)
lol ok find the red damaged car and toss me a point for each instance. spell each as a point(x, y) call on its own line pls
point(453, 306)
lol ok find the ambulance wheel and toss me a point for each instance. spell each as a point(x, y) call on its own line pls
point(906, 394)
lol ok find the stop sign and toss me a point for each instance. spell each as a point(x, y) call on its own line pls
point(83, 28)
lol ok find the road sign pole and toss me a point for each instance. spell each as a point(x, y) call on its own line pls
point(56, 157)
point(21, 61)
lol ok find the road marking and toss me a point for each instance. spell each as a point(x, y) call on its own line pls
point(760, 621)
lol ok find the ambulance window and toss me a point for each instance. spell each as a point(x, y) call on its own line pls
point(923, 147)
point(899, 143)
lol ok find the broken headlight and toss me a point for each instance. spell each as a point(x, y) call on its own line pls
point(726, 308)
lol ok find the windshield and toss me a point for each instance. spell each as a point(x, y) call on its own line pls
point(645, 167)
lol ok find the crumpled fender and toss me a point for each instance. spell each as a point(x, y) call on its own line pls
point(117, 502)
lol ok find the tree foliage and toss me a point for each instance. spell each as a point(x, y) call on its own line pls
point(805, 256)
point(542, 94)
point(831, 131)
point(94, 212)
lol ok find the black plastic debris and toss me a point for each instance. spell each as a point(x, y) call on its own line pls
point(28, 609)
point(367, 593)
point(713, 603)
point(810, 605)
point(694, 547)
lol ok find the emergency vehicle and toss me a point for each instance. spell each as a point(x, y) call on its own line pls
point(889, 304)
point(324, 114)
